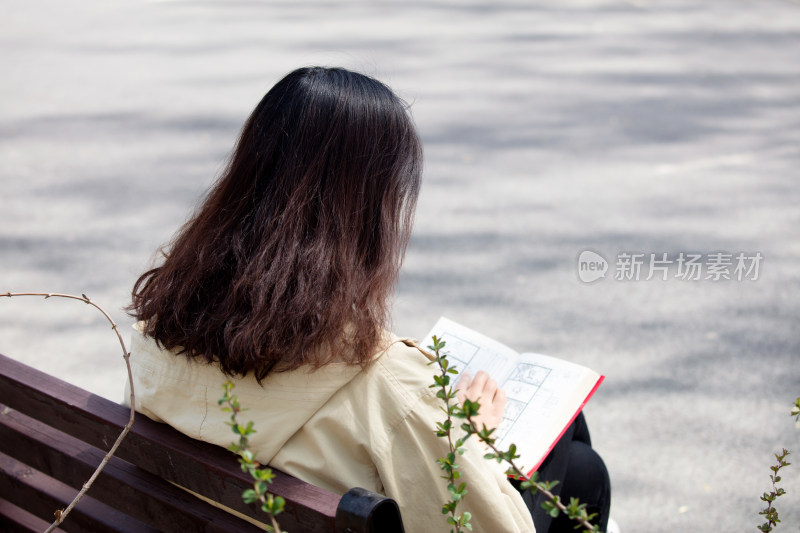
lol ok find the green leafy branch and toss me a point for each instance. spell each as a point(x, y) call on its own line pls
point(444, 429)
point(575, 510)
point(262, 476)
point(771, 513)
point(467, 411)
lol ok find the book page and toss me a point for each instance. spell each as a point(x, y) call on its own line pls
point(470, 351)
point(543, 394)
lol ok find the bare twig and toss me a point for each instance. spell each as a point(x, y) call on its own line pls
point(62, 514)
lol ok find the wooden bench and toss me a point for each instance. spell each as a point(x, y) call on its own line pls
point(53, 435)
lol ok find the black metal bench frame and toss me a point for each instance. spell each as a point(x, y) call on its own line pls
point(53, 435)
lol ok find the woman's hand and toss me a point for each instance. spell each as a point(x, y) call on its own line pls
point(482, 389)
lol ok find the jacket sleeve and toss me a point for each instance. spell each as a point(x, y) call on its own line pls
point(410, 474)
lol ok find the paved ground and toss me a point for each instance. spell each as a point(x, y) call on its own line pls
point(550, 128)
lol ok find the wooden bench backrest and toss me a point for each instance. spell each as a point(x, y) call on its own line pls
point(53, 435)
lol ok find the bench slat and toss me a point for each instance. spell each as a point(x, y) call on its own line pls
point(14, 519)
point(150, 450)
point(143, 496)
point(26, 487)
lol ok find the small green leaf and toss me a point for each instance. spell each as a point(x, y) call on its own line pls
point(249, 496)
point(278, 505)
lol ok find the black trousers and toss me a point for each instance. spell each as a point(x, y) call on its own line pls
point(581, 474)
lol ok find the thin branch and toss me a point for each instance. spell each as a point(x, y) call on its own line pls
point(537, 485)
point(261, 474)
point(448, 464)
point(62, 514)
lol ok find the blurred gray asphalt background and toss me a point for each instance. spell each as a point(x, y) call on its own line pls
point(550, 128)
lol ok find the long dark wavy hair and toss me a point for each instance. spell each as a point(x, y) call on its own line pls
point(293, 255)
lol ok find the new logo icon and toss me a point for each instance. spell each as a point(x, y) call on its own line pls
point(591, 266)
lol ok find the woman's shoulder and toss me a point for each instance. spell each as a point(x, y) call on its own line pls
point(405, 359)
point(404, 349)
point(397, 378)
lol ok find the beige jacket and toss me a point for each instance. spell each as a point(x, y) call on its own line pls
point(337, 427)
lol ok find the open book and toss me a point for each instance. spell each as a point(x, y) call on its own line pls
point(543, 394)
